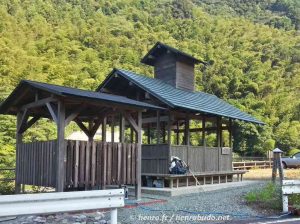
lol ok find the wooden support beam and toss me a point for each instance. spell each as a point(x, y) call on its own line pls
point(158, 127)
point(52, 111)
point(122, 128)
point(198, 129)
point(187, 130)
point(131, 134)
point(138, 187)
point(82, 127)
point(150, 120)
point(131, 121)
point(74, 114)
point(230, 133)
point(219, 130)
point(104, 129)
point(112, 127)
point(39, 103)
point(203, 131)
point(148, 134)
point(19, 139)
point(95, 127)
point(164, 132)
point(219, 140)
point(60, 153)
point(177, 132)
point(23, 121)
point(28, 124)
point(169, 128)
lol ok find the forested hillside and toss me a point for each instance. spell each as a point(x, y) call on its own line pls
point(282, 14)
point(251, 63)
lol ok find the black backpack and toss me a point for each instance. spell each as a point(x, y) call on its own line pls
point(179, 167)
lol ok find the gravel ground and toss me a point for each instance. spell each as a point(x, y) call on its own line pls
point(218, 203)
point(226, 203)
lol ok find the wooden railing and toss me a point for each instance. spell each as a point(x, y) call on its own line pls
point(246, 165)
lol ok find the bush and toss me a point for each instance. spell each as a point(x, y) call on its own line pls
point(269, 197)
point(294, 200)
point(7, 188)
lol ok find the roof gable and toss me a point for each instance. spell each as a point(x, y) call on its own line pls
point(160, 49)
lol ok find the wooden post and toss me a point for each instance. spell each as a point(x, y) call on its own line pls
point(122, 128)
point(177, 134)
point(169, 128)
point(230, 133)
point(138, 190)
point(88, 156)
point(203, 131)
point(204, 142)
point(219, 140)
point(104, 129)
point(131, 135)
point(187, 131)
point(148, 134)
point(112, 127)
point(277, 164)
point(90, 137)
point(19, 139)
point(60, 149)
point(158, 127)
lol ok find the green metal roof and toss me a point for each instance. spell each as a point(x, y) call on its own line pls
point(177, 98)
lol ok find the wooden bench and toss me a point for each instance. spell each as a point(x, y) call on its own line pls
point(185, 180)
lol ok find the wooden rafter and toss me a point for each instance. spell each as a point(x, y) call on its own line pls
point(95, 127)
point(82, 127)
point(131, 121)
point(74, 114)
point(28, 124)
point(38, 103)
point(154, 119)
point(90, 131)
point(23, 120)
point(53, 111)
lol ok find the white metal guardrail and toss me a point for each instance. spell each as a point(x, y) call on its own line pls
point(47, 203)
point(289, 187)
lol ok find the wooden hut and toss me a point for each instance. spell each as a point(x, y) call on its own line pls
point(163, 117)
point(196, 126)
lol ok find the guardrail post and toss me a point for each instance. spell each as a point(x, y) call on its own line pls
point(285, 207)
point(114, 216)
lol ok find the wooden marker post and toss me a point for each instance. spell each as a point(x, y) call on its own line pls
point(277, 164)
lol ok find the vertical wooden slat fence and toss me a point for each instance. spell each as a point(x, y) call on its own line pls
point(36, 163)
point(156, 158)
point(87, 165)
point(100, 163)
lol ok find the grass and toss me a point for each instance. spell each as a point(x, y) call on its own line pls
point(266, 174)
point(269, 197)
